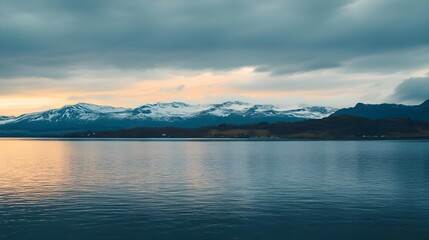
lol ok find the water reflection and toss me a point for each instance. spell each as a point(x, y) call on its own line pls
point(33, 170)
point(218, 190)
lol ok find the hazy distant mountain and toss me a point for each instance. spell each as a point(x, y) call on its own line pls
point(382, 111)
point(84, 116)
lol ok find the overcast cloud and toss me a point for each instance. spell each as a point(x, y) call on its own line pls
point(50, 38)
point(63, 39)
point(414, 90)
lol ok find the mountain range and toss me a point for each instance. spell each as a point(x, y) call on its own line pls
point(83, 117)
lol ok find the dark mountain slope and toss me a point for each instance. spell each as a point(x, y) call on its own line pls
point(383, 111)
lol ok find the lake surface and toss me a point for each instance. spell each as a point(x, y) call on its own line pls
point(60, 189)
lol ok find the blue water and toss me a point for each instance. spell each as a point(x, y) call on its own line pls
point(214, 189)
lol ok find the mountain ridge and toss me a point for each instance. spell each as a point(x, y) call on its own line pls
point(387, 110)
point(91, 117)
point(85, 116)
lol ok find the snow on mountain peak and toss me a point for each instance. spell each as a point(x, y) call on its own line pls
point(227, 108)
point(6, 119)
point(168, 112)
point(94, 108)
point(234, 103)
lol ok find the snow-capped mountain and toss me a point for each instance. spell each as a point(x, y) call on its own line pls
point(4, 118)
point(84, 116)
point(166, 111)
point(80, 111)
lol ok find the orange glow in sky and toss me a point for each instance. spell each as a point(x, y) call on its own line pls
point(200, 87)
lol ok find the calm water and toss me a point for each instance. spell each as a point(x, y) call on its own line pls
point(214, 190)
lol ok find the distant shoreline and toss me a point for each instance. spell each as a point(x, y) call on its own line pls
point(332, 128)
point(211, 139)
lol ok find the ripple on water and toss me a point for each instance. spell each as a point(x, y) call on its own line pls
point(214, 190)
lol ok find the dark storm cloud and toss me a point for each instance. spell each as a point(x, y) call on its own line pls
point(413, 90)
point(57, 38)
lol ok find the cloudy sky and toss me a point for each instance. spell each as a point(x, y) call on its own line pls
point(132, 52)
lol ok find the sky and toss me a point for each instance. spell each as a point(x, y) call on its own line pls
point(132, 52)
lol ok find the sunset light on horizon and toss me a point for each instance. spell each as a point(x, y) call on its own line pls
point(335, 53)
